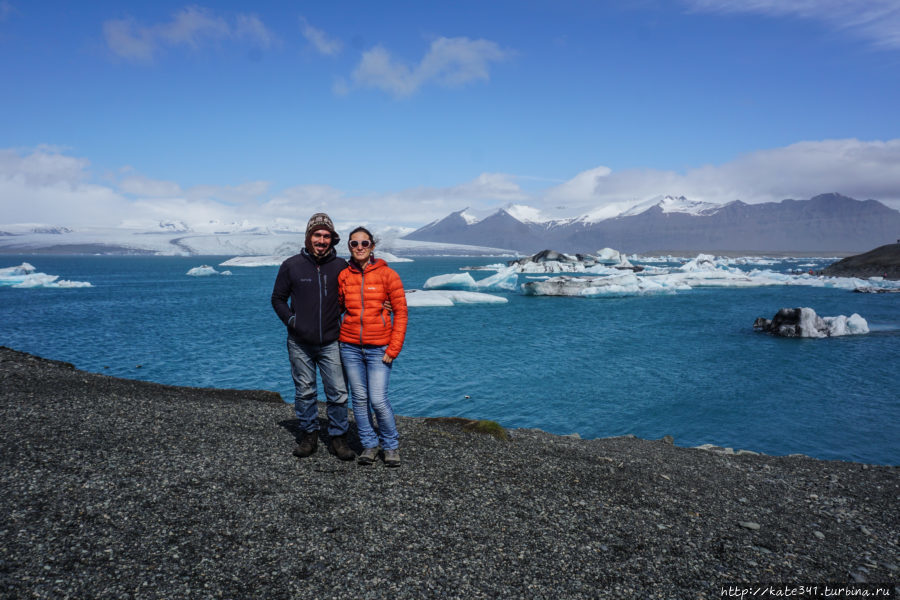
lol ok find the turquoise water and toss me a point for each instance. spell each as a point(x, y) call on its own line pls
point(687, 365)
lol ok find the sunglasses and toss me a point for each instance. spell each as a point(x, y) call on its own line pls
point(361, 243)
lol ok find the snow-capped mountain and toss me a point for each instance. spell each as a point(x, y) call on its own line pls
point(825, 223)
point(671, 204)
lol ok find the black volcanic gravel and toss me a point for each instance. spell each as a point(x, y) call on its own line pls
point(114, 488)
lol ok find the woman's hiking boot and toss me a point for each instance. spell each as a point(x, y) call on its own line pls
point(392, 458)
point(368, 456)
point(307, 445)
point(341, 449)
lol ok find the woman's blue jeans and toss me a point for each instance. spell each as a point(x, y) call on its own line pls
point(368, 377)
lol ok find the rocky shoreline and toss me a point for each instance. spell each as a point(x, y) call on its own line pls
point(120, 488)
point(883, 261)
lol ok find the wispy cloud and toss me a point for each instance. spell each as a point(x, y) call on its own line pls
point(6, 10)
point(875, 20)
point(321, 42)
point(449, 62)
point(192, 26)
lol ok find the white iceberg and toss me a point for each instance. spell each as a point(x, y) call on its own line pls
point(804, 322)
point(390, 258)
point(8, 273)
point(703, 262)
point(621, 284)
point(610, 256)
point(254, 261)
point(505, 280)
point(27, 276)
point(842, 325)
point(450, 298)
point(205, 270)
point(452, 281)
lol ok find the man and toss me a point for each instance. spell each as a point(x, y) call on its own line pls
point(309, 281)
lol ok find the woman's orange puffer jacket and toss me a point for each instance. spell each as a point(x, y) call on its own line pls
point(363, 293)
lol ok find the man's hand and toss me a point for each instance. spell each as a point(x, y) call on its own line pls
point(387, 359)
point(387, 306)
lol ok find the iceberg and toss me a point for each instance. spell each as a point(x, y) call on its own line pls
point(27, 276)
point(254, 261)
point(452, 281)
point(205, 270)
point(619, 285)
point(19, 271)
point(505, 280)
point(390, 258)
point(450, 298)
point(804, 322)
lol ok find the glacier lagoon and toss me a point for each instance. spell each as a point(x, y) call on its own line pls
point(686, 364)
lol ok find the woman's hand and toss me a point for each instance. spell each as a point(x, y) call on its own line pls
point(387, 359)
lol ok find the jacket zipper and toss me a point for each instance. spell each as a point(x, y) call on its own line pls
point(362, 303)
point(321, 301)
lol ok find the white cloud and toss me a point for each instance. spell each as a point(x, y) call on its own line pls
point(449, 62)
point(138, 185)
point(45, 165)
point(321, 42)
point(244, 193)
point(860, 169)
point(192, 26)
point(876, 20)
point(250, 27)
point(47, 185)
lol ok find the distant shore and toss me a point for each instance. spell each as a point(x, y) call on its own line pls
point(114, 487)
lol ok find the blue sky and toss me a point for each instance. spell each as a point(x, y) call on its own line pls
point(397, 113)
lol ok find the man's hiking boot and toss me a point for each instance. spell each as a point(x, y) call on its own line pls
point(341, 449)
point(392, 458)
point(307, 444)
point(368, 456)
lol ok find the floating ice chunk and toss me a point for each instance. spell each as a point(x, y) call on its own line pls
point(610, 256)
point(703, 262)
point(20, 271)
point(506, 280)
point(841, 325)
point(804, 322)
point(450, 298)
point(254, 261)
point(490, 267)
point(205, 270)
point(453, 281)
point(26, 276)
point(390, 258)
point(621, 284)
point(550, 266)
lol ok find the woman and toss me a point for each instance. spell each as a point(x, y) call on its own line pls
point(370, 341)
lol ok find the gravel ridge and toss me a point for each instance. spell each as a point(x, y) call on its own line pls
point(115, 488)
point(882, 261)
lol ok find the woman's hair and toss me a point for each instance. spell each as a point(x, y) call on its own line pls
point(365, 231)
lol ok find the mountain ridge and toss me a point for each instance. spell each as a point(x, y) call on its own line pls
point(824, 223)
